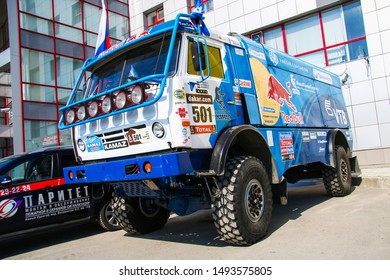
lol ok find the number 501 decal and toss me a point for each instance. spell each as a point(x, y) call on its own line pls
point(202, 114)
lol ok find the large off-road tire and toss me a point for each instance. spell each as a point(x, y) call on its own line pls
point(139, 215)
point(243, 210)
point(106, 218)
point(338, 180)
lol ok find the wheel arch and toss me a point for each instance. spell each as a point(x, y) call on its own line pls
point(244, 140)
point(337, 138)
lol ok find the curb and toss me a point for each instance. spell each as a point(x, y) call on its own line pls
point(376, 177)
point(375, 182)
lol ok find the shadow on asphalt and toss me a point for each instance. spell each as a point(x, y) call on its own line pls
point(198, 228)
point(36, 240)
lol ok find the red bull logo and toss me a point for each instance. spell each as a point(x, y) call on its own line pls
point(278, 93)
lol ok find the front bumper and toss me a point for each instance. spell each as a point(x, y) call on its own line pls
point(132, 169)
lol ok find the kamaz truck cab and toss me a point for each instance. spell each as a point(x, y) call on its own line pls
point(177, 121)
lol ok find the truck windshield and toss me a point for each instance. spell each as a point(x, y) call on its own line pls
point(143, 60)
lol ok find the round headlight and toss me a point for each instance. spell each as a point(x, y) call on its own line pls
point(158, 130)
point(120, 100)
point(106, 104)
point(81, 145)
point(70, 116)
point(81, 113)
point(93, 109)
point(136, 95)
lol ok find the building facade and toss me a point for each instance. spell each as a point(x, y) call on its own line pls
point(348, 37)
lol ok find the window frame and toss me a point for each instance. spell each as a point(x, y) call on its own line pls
point(324, 48)
point(156, 13)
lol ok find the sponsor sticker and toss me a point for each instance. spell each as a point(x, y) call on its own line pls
point(179, 94)
point(286, 146)
point(116, 145)
point(305, 136)
point(9, 207)
point(200, 99)
point(94, 144)
point(138, 136)
point(203, 129)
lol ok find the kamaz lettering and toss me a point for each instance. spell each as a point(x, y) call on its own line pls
point(224, 122)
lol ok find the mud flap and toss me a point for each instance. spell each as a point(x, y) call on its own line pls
point(355, 171)
point(280, 193)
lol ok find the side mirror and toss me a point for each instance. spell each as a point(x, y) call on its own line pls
point(5, 181)
point(198, 56)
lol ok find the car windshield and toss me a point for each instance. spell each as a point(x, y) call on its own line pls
point(144, 60)
point(7, 160)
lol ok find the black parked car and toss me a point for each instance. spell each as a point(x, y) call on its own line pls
point(33, 193)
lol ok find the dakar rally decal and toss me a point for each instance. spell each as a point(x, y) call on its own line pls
point(53, 203)
point(275, 99)
point(138, 135)
point(286, 146)
point(201, 113)
point(8, 207)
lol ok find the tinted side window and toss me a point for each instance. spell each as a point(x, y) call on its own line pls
point(216, 68)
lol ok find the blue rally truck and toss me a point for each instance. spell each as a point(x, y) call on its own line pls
point(177, 121)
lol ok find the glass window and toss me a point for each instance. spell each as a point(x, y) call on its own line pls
point(68, 12)
point(37, 67)
point(340, 35)
point(36, 133)
point(337, 54)
point(36, 41)
point(154, 17)
point(33, 170)
point(69, 49)
point(354, 20)
point(137, 63)
point(216, 68)
point(297, 34)
point(119, 26)
point(91, 17)
point(316, 58)
point(40, 8)
point(63, 95)
point(334, 28)
point(118, 7)
point(68, 33)
point(39, 111)
point(38, 93)
point(274, 38)
point(36, 24)
point(65, 137)
point(68, 70)
point(90, 39)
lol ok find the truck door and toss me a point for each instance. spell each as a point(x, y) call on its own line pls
point(209, 92)
point(243, 81)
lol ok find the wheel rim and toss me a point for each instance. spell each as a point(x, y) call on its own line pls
point(109, 215)
point(344, 170)
point(254, 200)
point(148, 208)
